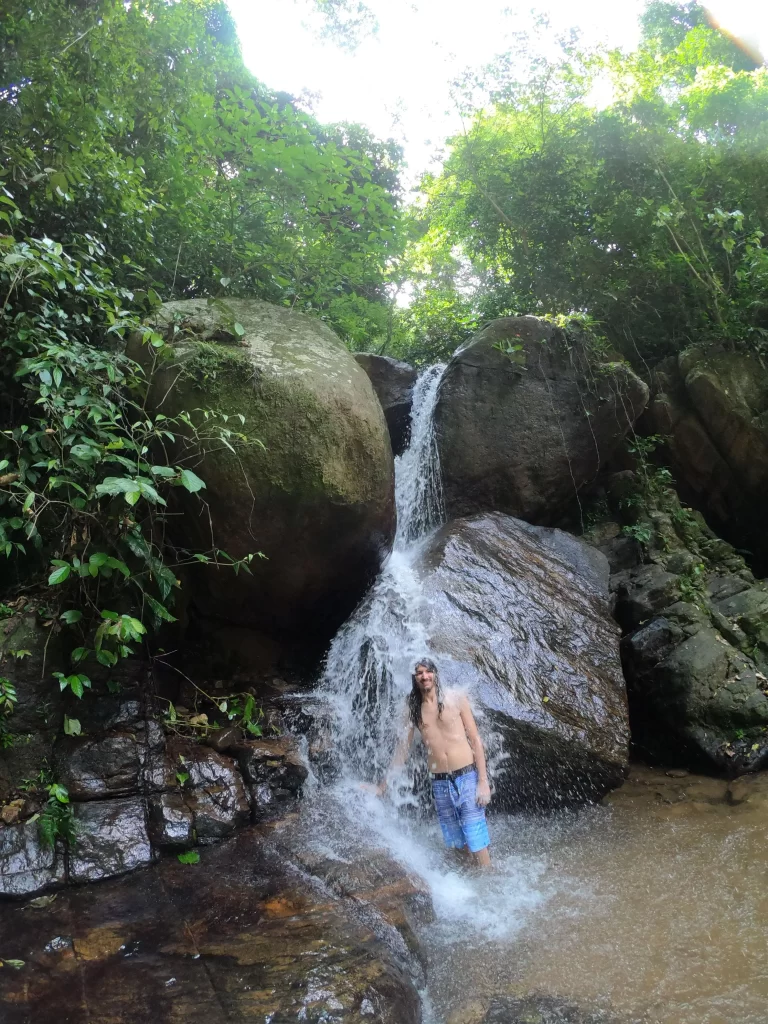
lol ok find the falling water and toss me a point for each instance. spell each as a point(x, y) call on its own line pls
point(367, 671)
point(562, 909)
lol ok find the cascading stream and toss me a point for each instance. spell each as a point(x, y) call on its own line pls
point(614, 908)
point(367, 671)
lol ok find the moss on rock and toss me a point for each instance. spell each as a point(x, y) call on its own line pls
point(313, 491)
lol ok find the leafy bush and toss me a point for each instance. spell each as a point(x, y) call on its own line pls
point(85, 468)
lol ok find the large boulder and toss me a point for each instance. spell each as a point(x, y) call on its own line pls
point(695, 649)
point(519, 616)
point(315, 498)
point(526, 416)
point(393, 382)
point(710, 405)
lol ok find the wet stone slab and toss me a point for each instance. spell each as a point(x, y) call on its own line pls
point(238, 937)
point(111, 839)
point(25, 864)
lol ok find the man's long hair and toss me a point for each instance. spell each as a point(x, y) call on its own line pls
point(415, 696)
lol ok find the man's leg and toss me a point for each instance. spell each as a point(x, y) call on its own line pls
point(473, 823)
point(482, 858)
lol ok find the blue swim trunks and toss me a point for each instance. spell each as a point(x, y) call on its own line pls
point(462, 821)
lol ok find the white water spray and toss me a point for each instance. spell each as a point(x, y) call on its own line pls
point(367, 671)
point(366, 679)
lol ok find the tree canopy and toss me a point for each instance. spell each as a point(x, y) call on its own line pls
point(138, 123)
point(646, 215)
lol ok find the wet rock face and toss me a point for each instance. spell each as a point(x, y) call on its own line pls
point(316, 497)
point(239, 937)
point(695, 650)
point(25, 864)
point(521, 617)
point(273, 770)
point(111, 839)
point(214, 791)
point(711, 405)
point(111, 760)
point(393, 382)
point(521, 433)
point(135, 792)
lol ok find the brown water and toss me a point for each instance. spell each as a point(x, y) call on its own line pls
point(653, 909)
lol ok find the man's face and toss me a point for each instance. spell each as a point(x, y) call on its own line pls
point(425, 679)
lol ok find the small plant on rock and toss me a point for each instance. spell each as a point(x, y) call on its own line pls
point(56, 820)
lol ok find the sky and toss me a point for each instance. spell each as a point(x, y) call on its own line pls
point(397, 82)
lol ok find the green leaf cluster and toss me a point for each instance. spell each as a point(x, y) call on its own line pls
point(138, 123)
point(648, 212)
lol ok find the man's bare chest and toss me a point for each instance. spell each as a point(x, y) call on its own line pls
point(447, 725)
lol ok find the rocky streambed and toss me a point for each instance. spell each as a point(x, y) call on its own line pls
point(647, 909)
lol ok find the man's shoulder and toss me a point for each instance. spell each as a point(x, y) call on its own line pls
point(454, 697)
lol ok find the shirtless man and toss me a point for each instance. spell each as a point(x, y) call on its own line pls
point(456, 761)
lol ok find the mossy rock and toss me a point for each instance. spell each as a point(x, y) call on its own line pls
point(314, 496)
point(711, 406)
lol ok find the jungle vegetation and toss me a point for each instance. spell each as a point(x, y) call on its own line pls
point(141, 161)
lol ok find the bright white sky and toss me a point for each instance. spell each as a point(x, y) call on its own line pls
point(397, 82)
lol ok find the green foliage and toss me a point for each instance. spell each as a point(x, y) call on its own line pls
point(15, 964)
point(233, 709)
point(86, 470)
point(648, 215)
point(692, 582)
point(56, 820)
point(8, 700)
point(139, 124)
point(641, 532)
point(189, 857)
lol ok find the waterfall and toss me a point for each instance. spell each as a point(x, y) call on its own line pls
point(367, 670)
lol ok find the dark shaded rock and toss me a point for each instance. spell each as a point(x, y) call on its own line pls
point(696, 669)
point(749, 610)
point(522, 434)
point(317, 499)
point(643, 591)
point(111, 839)
point(214, 791)
point(39, 710)
point(273, 770)
point(393, 382)
point(711, 406)
point(26, 866)
point(721, 587)
point(240, 937)
point(729, 390)
point(519, 615)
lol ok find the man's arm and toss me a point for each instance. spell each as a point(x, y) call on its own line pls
point(401, 755)
point(470, 728)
